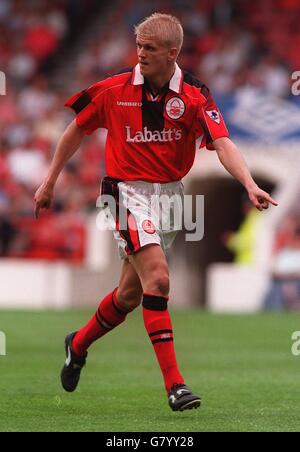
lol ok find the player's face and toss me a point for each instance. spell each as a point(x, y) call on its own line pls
point(154, 57)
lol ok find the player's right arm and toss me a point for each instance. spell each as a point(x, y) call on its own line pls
point(68, 144)
point(90, 107)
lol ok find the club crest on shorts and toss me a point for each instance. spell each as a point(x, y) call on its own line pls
point(148, 227)
point(214, 115)
point(175, 108)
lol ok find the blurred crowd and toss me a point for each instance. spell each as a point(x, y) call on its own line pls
point(32, 121)
point(229, 44)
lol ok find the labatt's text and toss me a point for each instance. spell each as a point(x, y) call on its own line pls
point(148, 136)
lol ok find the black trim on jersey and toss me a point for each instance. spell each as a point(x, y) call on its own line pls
point(193, 81)
point(125, 70)
point(163, 90)
point(153, 112)
point(205, 91)
point(81, 102)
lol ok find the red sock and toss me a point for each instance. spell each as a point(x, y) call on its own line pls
point(108, 316)
point(159, 327)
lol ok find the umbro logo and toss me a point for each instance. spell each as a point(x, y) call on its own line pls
point(129, 104)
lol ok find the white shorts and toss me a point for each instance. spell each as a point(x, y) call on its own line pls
point(144, 213)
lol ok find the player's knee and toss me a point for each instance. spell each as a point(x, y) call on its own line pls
point(160, 284)
point(130, 298)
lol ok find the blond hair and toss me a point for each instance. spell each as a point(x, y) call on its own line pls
point(164, 27)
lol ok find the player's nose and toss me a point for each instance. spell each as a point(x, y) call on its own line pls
point(141, 53)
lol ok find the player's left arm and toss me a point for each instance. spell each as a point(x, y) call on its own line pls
point(234, 163)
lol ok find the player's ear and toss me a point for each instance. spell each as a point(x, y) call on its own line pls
point(172, 54)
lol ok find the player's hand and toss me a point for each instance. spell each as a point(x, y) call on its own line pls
point(261, 199)
point(43, 198)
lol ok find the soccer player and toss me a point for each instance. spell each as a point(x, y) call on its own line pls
point(155, 113)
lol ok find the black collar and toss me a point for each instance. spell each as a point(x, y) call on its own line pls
point(163, 90)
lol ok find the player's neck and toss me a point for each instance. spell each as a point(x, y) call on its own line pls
point(156, 83)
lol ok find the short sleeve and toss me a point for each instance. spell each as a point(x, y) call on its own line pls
point(88, 106)
point(210, 123)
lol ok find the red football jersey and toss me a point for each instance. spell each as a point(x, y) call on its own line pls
point(149, 138)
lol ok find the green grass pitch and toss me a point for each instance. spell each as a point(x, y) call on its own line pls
point(241, 365)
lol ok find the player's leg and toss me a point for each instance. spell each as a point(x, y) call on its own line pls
point(130, 292)
point(151, 265)
point(111, 312)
